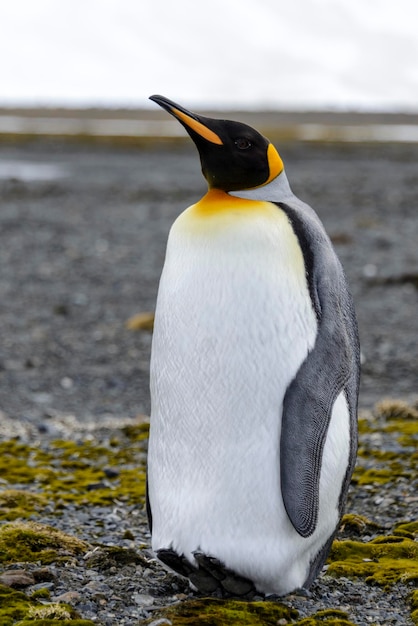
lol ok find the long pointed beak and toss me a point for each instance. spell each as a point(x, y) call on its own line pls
point(191, 122)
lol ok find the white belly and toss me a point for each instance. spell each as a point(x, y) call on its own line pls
point(233, 324)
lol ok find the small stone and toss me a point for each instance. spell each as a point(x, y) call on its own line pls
point(68, 596)
point(369, 270)
point(143, 599)
point(100, 598)
point(45, 585)
point(61, 309)
point(111, 472)
point(113, 517)
point(161, 622)
point(42, 574)
point(41, 397)
point(94, 486)
point(17, 578)
point(147, 573)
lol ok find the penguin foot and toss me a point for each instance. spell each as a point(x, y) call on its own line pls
point(211, 575)
point(175, 562)
point(302, 592)
point(229, 582)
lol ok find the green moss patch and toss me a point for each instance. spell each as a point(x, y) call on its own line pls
point(384, 560)
point(364, 425)
point(407, 529)
point(81, 472)
point(391, 421)
point(408, 436)
point(55, 622)
point(212, 612)
point(401, 418)
point(30, 541)
point(136, 432)
point(41, 594)
point(16, 609)
point(357, 524)
point(380, 475)
point(329, 617)
point(105, 557)
point(14, 605)
point(387, 454)
point(18, 503)
point(414, 607)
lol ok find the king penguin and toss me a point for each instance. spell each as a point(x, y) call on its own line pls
point(254, 377)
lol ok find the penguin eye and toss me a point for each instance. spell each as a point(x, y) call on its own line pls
point(242, 143)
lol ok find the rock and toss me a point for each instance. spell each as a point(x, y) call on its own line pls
point(43, 574)
point(94, 486)
point(111, 472)
point(68, 596)
point(17, 578)
point(143, 599)
point(45, 585)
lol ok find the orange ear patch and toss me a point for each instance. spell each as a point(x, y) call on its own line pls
point(275, 163)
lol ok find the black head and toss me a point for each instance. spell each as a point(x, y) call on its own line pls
point(233, 155)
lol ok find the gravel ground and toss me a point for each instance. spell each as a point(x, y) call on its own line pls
point(83, 232)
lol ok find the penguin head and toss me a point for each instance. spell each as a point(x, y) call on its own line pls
point(233, 156)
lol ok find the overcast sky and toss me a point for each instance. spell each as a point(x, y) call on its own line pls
point(355, 54)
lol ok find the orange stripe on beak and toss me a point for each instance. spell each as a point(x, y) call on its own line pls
point(198, 127)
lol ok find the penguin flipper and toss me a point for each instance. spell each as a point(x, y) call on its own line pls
point(331, 367)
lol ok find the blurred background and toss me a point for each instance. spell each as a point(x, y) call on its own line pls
point(92, 174)
point(249, 55)
point(309, 54)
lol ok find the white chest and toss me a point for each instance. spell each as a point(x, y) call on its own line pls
point(234, 322)
point(234, 319)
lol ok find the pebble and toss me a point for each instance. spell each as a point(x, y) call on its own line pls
point(143, 599)
point(69, 597)
point(44, 585)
